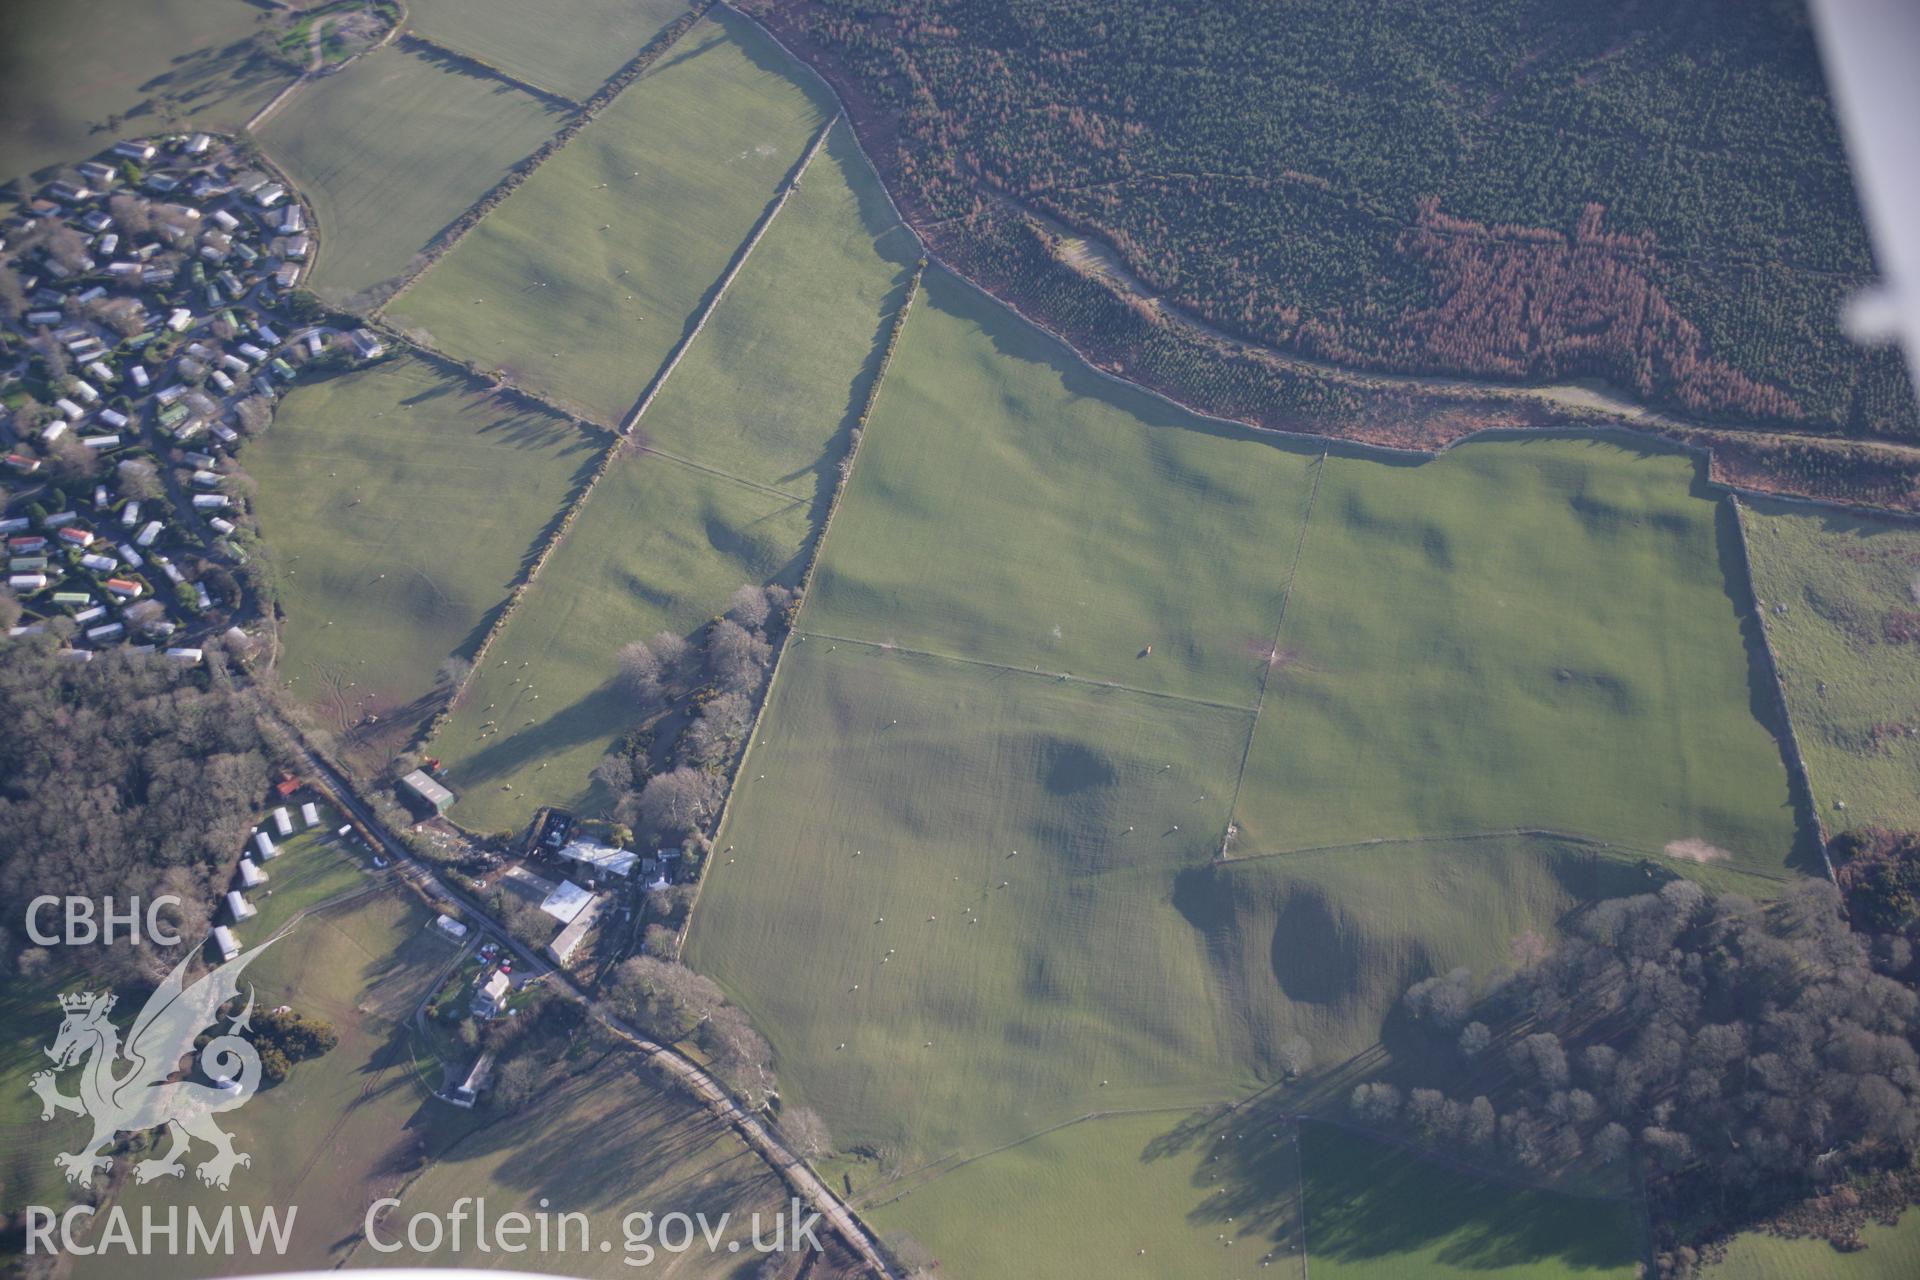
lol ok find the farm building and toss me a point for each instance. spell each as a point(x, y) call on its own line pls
point(566, 902)
point(263, 844)
point(568, 940)
point(251, 876)
point(448, 925)
point(238, 907)
point(600, 859)
point(491, 996)
point(427, 791)
point(223, 939)
point(310, 814)
point(283, 822)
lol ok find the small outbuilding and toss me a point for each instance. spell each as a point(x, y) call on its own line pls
point(430, 793)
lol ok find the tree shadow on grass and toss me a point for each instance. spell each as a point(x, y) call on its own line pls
point(532, 429)
point(598, 715)
point(684, 52)
point(1365, 1199)
point(1362, 1199)
point(567, 1143)
point(1765, 700)
point(473, 69)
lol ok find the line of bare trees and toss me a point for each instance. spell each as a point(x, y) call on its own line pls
point(716, 684)
point(672, 1003)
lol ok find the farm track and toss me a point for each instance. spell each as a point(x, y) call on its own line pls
point(316, 66)
point(1063, 677)
point(689, 463)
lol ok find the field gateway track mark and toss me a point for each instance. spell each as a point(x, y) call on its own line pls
point(1273, 653)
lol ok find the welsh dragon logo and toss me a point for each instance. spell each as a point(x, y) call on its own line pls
point(149, 1092)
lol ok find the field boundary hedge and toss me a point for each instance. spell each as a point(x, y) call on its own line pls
point(719, 290)
point(1795, 760)
point(424, 46)
point(621, 443)
point(794, 634)
point(555, 535)
point(444, 240)
point(454, 365)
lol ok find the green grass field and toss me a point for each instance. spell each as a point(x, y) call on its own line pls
point(66, 65)
point(1220, 1195)
point(891, 787)
point(582, 281)
point(1574, 662)
point(328, 1139)
point(29, 1020)
point(1014, 519)
point(766, 394)
point(400, 506)
point(671, 1156)
point(1104, 1199)
point(659, 545)
point(770, 389)
point(391, 150)
point(1374, 1212)
point(566, 46)
point(884, 787)
point(1538, 633)
point(1010, 506)
point(1891, 1252)
point(1831, 586)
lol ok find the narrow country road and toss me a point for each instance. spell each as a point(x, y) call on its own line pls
point(754, 1131)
